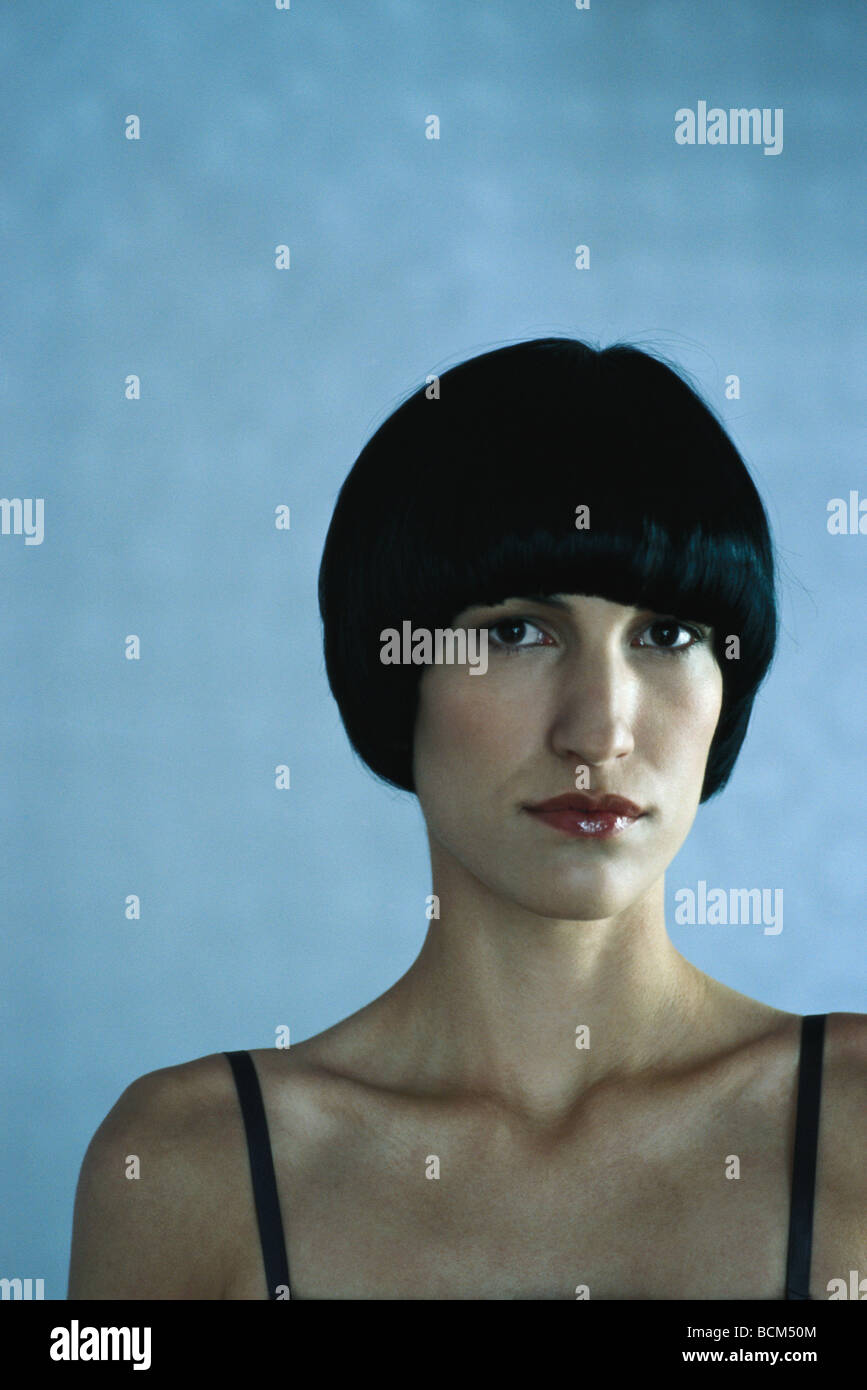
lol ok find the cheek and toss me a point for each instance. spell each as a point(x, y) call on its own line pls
point(697, 716)
point(675, 721)
point(709, 704)
point(464, 728)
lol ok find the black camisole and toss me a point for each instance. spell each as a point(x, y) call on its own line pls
point(803, 1165)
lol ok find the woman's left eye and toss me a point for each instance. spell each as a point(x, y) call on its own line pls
point(669, 628)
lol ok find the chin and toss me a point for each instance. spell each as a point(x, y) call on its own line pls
point(580, 905)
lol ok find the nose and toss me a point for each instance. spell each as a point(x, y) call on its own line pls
point(594, 708)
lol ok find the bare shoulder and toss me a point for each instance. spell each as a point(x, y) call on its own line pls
point(845, 1080)
point(844, 1088)
point(840, 1228)
point(843, 1111)
point(151, 1218)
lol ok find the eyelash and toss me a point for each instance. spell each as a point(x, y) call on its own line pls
point(697, 635)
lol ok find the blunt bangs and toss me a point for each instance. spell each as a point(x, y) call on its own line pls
point(473, 498)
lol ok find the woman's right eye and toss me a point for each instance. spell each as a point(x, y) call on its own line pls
point(512, 630)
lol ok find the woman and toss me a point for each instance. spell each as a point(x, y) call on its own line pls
point(551, 1103)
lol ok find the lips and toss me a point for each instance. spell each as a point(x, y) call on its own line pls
point(583, 801)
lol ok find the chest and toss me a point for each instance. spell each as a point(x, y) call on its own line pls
point(644, 1208)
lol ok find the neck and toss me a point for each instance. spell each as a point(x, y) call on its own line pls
point(491, 1005)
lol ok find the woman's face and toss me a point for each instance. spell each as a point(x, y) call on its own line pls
point(628, 694)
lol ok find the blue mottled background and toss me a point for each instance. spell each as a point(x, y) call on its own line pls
point(259, 387)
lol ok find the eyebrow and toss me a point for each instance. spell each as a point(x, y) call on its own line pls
point(557, 601)
point(549, 600)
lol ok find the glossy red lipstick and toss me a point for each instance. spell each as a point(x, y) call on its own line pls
point(587, 817)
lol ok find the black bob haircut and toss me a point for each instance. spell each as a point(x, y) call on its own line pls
point(470, 497)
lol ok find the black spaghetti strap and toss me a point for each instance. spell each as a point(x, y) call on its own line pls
point(804, 1157)
point(262, 1172)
